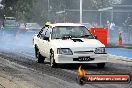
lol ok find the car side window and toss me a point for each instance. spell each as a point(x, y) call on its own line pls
point(45, 33)
point(39, 34)
point(48, 32)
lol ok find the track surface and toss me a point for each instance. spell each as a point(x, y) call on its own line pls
point(120, 52)
point(23, 66)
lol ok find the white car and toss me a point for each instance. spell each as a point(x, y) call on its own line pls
point(63, 43)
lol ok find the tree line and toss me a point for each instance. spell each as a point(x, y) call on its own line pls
point(45, 10)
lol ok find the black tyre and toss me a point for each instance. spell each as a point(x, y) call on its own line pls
point(40, 58)
point(53, 64)
point(101, 65)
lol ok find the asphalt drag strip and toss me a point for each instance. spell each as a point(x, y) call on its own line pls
point(43, 76)
point(15, 75)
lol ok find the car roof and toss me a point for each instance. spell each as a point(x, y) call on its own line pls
point(65, 24)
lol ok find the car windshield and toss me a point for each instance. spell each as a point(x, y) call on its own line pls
point(61, 32)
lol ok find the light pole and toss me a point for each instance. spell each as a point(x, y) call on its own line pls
point(48, 11)
point(80, 11)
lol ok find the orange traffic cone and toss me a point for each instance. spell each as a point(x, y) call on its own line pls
point(120, 39)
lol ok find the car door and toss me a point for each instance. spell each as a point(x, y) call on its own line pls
point(39, 43)
point(45, 44)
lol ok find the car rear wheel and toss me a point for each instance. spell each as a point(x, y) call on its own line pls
point(40, 58)
point(101, 65)
point(53, 64)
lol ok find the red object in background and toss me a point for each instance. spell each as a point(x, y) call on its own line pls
point(101, 33)
point(120, 40)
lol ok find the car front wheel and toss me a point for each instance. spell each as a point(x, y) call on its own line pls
point(40, 58)
point(53, 64)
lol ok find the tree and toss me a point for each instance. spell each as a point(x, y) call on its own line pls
point(9, 7)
